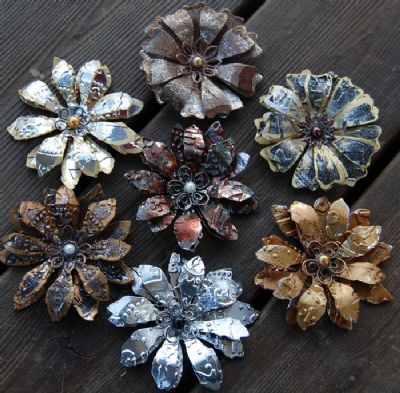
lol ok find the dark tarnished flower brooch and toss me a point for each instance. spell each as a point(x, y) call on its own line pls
point(84, 252)
point(85, 116)
point(321, 120)
point(191, 185)
point(335, 266)
point(192, 308)
point(192, 59)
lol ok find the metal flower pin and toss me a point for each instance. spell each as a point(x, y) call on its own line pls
point(192, 308)
point(335, 267)
point(84, 118)
point(84, 251)
point(322, 121)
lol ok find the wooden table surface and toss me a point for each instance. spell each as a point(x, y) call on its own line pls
point(359, 39)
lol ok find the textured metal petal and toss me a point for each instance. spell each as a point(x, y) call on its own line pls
point(50, 154)
point(181, 23)
point(304, 175)
point(115, 271)
point(37, 216)
point(377, 255)
point(27, 127)
point(346, 301)
point(161, 43)
point(103, 157)
point(109, 249)
point(210, 24)
point(361, 240)
point(21, 244)
point(231, 190)
point(168, 365)
point(240, 311)
point(215, 103)
point(337, 219)
point(205, 364)
point(146, 181)
point(38, 95)
point(11, 259)
point(298, 83)
point(137, 349)
point(131, 310)
point(113, 133)
point(60, 296)
point(283, 155)
point(31, 158)
point(284, 220)
point(160, 223)
point(154, 207)
point(363, 271)
point(94, 80)
point(307, 221)
point(116, 106)
point(290, 287)
point(64, 79)
point(225, 327)
point(160, 157)
point(85, 305)
point(118, 229)
point(70, 172)
point(268, 278)
point(188, 230)
point(94, 282)
point(32, 286)
point(283, 101)
point(230, 348)
point(85, 158)
point(374, 294)
point(359, 217)
point(193, 142)
point(234, 43)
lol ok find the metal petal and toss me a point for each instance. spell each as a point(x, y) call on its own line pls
point(168, 365)
point(11, 259)
point(205, 364)
point(64, 79)
point(50, 154)
point(85, 305)
point(31, 158)
point(374, 294)
point(210, 24)
point(99, 215)
point(146, 181)
point(377, 255)
point(214, 100)
point(116, 271)
point(217, 220)
point(268, 278)
point(273, 128)
point(290, 287)
point(283, 155)
point(21, 244)
point(284, 220)
point(222, 160)
point(346, 301)
point(137, 349)
point(359, 217)
point(118, 229)
point(161, 43)
point(240, 311)
point(38, 95)
point(235, 42)
point(304, 175)
point(60, 296)
point(299, 83)
point(37, 216)
point(361, 240)
point(154, 207)
point(32, 286)
point(160, 223)
point(70, 172)
point(27, 127)
point(337, 219)
point(335, 315)
point(225, 327)
point(231, 190)
point(131, 310)
point(188, 230)
point(230, 348)
point(193, 142)
point(307, 221)
point(94, 80)
point(109, 249)
point(160, 157)
point(94, 282)
point(104, 159)
point(363, 271)
point(283, 101)
point(181, 24)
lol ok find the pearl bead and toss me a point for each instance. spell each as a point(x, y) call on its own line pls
point(73, 122)
point(189, 187)
point(197, 62)
point(69, 249)
point(324, 260)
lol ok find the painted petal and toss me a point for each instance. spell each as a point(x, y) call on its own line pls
point(118, 229)
point(181, 23)
point(116, 106)
point(94, 282)
point(115, 133)
point(230, 348)
point(337, 219)
point(103, 157)
point(363, 271)
point(361, 240)
point(21, 244)
point(311, 306)
point(116, 271)
point(343, 93)
point(188, 231)
point(146, 181)
point(60, 296)
point(160, 157)
point(231, 190)
point(205, 364)
point(358, 112)
point(11, 259)
point(99, 215)
point(304, 175)
point(64, 79)
point(374, 294)
point(160, 223)
point(283, 101)
point(283, 155)
point(70, 172)
point(225, 327)
point(35, 215)
point(211, 23)
point(217, 220)
point(193, 142)
point(268, 278)
point(377, 255)
point(161, 43)
point(278, 253)
point(291, 286)
point(235, 42)
point(32, 286)
point(221, 159)
point(131, 310)
point(368, 134)
point(273, 128)
point(240, 311)
point(346, 301)
point(38, 95)
point(168, 365)
point(27, 127)
point(328, 168)
point(213, 98)
point(154, 207)
point(109, 249)
point(240, 77)
point(50, 154)
point(307, 221)
point(140, 345)
point(85, 305)
point(298, 83)
point(284, 220)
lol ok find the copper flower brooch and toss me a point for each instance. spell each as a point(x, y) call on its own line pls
point(83, 119)
point(323, 122)
point(191, 185)
point(334, 268)
point(193, 59)
point(84, 251)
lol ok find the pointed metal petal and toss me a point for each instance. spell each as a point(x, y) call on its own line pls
point(116, 106)
point(146, 181)
point(27, 127)
point(230, 348)
point(113, 133)
point(118, 229)
point(115, 271)
point(70, 172)
point(243, 312)
point(21, 244)
point(361, 240)
point(154, 207)
point(50, 154)
point(38, 95)
point(85, 305)
point(94, 282)
point(337, 219)
point(363, 271)
point(225, 327)
point(109, 249)
point(85, 158)
point(307, 221)
point(188, 230)
point(346, 301)
point(64, 79)
point(60, 296)
point(160, 157)
point(99, 215)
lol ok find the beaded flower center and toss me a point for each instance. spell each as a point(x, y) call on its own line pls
point(73, 121)
point(318, 130)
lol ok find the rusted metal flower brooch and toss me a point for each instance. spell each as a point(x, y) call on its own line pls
point(321, 120)
point(85, 253)
point(335, 266)
point(192, 59)
point(85, 116)
point(192, 308)
point(191, 185)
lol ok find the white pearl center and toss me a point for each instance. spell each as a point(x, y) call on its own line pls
point(189, 187)
point(69, 249)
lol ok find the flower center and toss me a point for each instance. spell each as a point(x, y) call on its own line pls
point(73, 122)
point(197, 62)
point(318, 130)
point(69, 249)
point(189, 187)
point(324, 261)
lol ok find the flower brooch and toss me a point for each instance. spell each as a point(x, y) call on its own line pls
point(335, 266)
point(191, 185)
point(323, 121)
point(193, 308)
point(85, 116)
point(192, 59)
point(84, 251)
